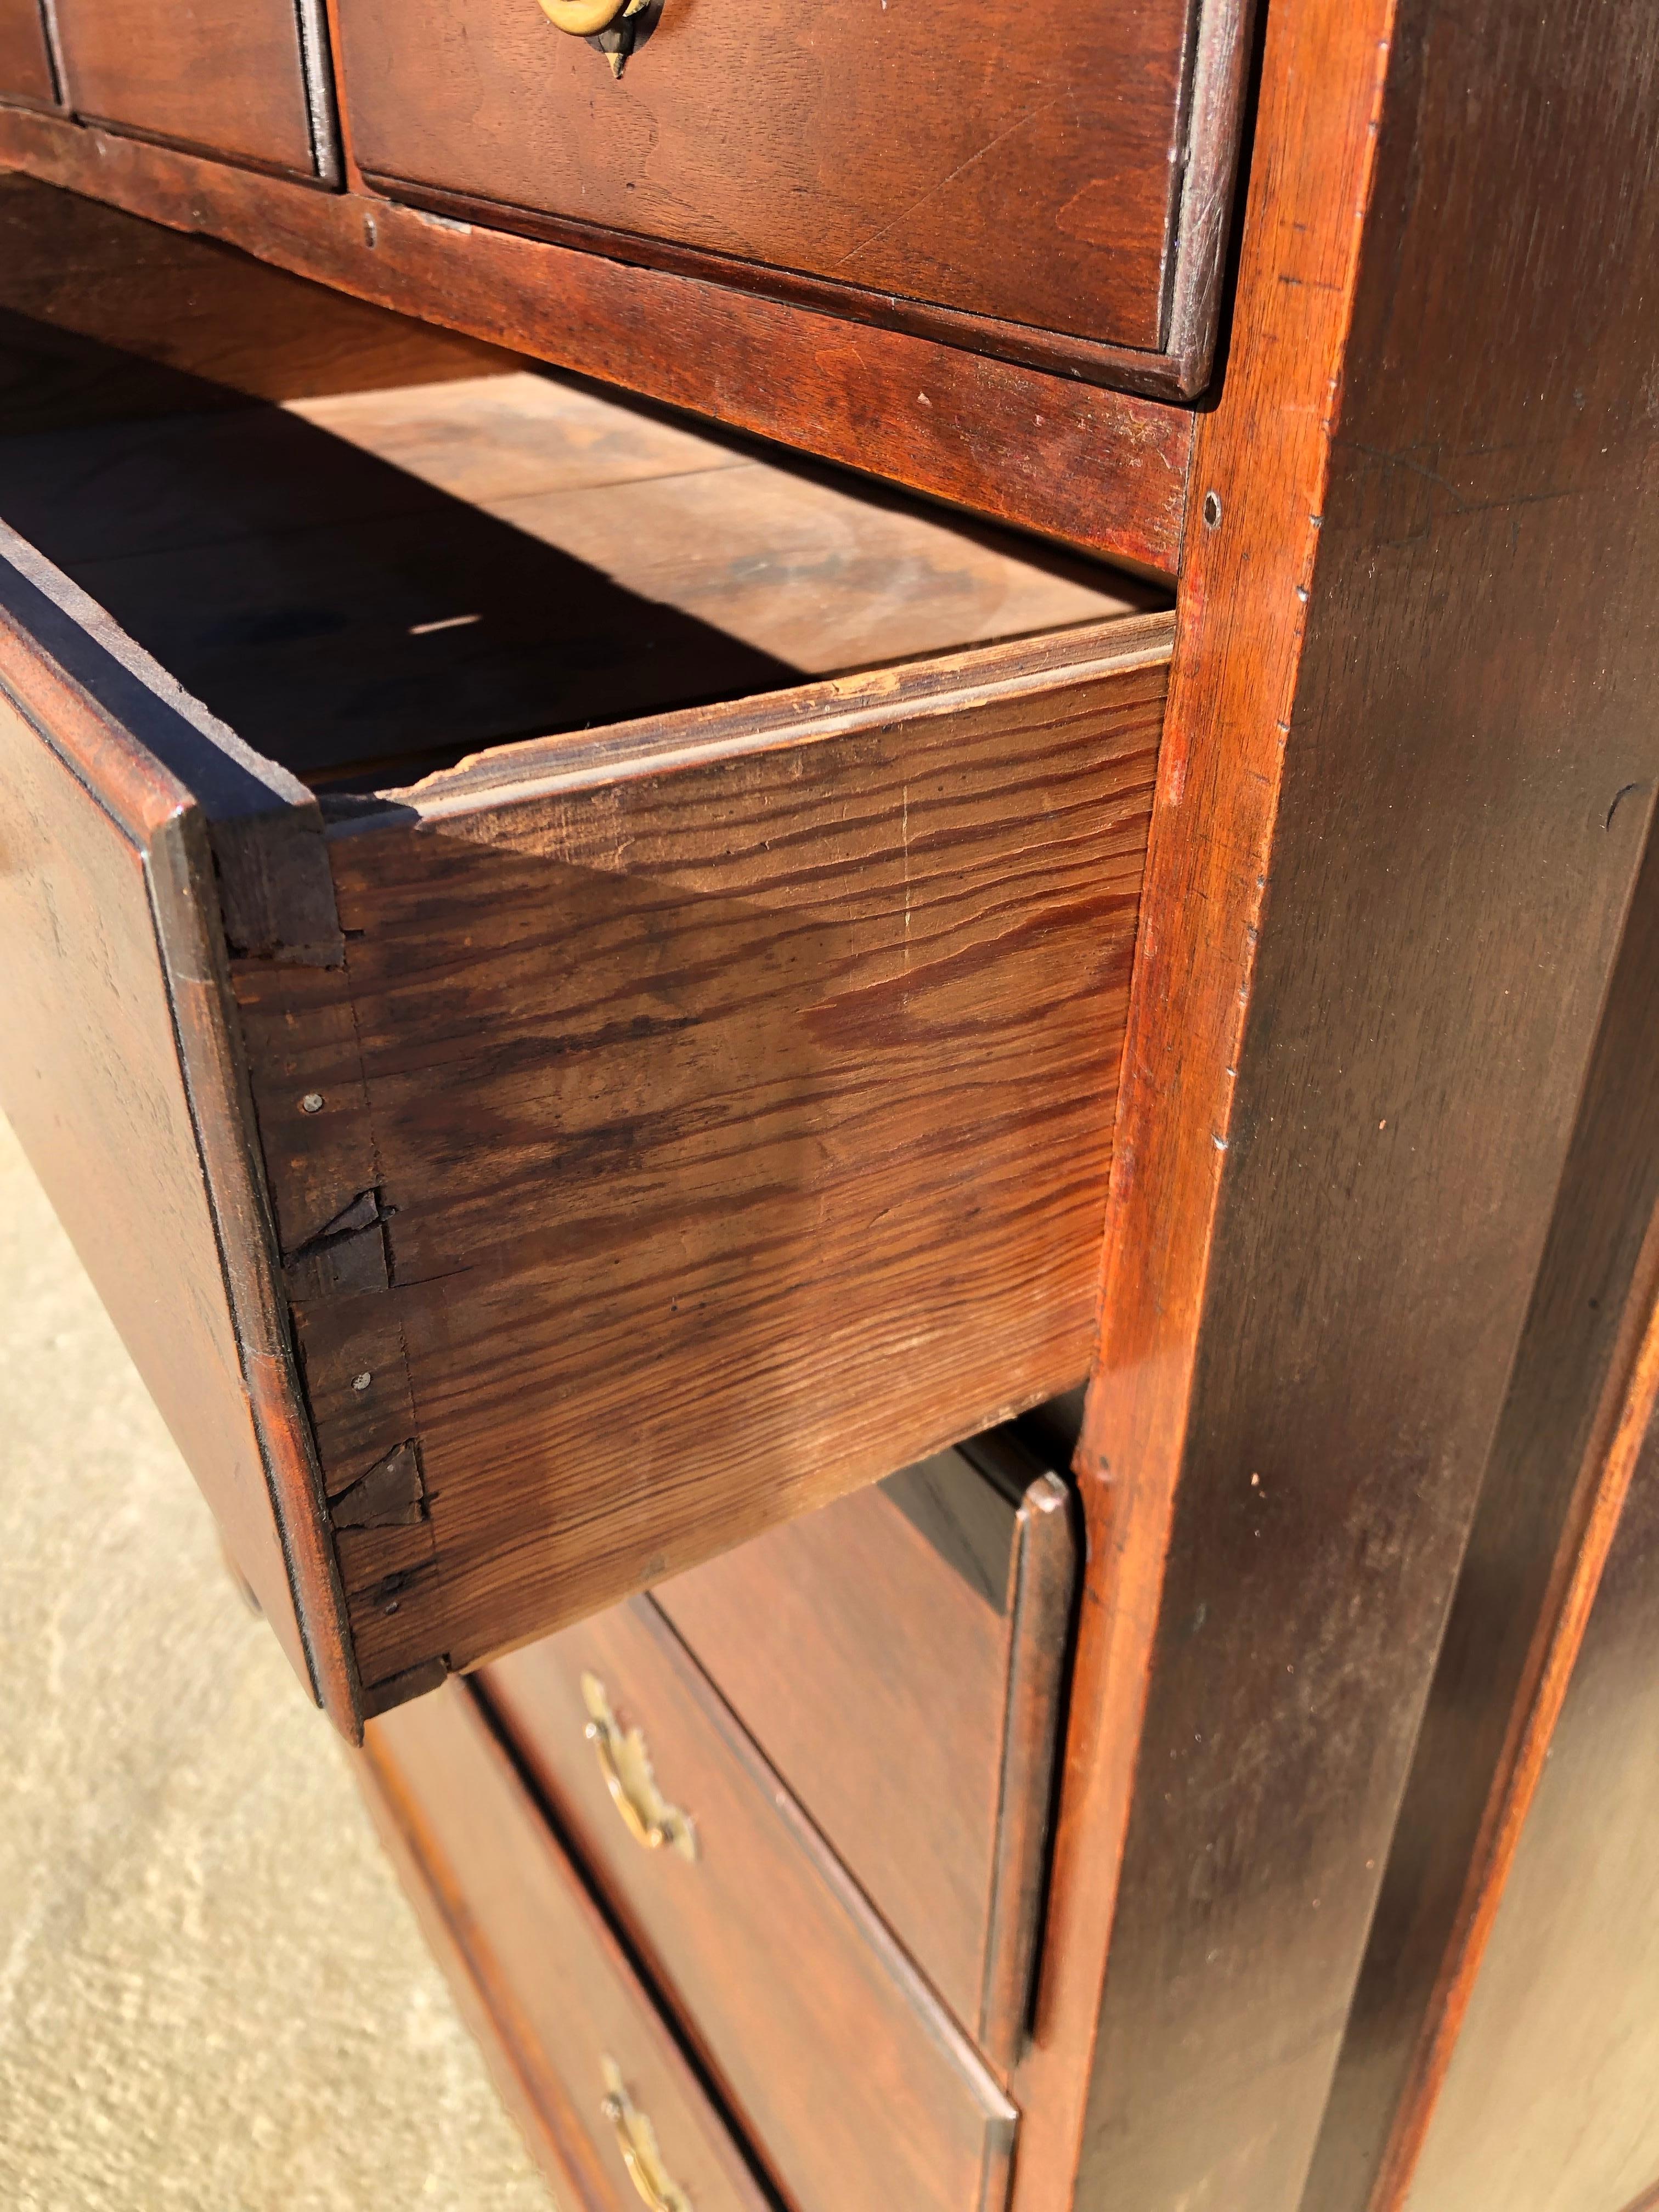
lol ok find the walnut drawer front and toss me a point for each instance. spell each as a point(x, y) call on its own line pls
point(579, 2048)
point(524, 1182)
point(1031, 188)
point(899, 1658)
point(25, 71)
point(245, 79)
point(854, 2086)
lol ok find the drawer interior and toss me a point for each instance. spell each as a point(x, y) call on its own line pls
point(369, 585)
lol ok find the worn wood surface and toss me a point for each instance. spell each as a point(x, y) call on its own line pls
point(1104, 470)
point(1548, 2099)
point(845, 2073)
point(897, 1656)
point(688, 1073)
point(106, 317)
point(526, 1947)
point(373, 584)
point(120, 1081)
point(25, 71)
point(1386, 884)
point(224, 76)
point(1551, 1487)
point(880, 187)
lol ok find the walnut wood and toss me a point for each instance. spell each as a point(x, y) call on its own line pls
point(1386, 809)
point(1104, 470)
point(223, 76)
point(855, 1100)
point(781, 1973)
point(26, 71)
point(1550, 1490)
point(888, 161)
point(897, 1657)
point(120, 1077)
point(1549, 2096)
point(528, 1948)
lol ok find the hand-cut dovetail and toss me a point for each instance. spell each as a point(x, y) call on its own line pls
point(349, 1254)
point(391, 1495)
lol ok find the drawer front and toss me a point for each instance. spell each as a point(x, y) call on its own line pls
point(1024, 176)
point(898, 1657)
point(231, 78)
point(26, 72)
point(604, 2095)
point(849, 2077)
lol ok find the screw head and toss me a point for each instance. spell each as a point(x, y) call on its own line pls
point(361, 1382)
point(311, 1103)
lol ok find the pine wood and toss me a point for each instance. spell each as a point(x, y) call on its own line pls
point(25, 71)
point(851, 1103)
point(531, 1954)
point(369, 585)
point(1104, 470)
point(898, 1657)
point(781, 1975)
point(881, 185)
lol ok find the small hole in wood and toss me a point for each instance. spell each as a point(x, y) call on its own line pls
point(1212, 510)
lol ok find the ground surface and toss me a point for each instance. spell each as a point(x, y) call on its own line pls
point(213, 1997)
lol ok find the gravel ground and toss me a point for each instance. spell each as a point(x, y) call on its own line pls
point(213, 1996)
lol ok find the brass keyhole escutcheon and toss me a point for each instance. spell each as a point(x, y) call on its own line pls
point(586, 19)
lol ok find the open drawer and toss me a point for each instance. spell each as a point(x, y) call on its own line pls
point(523, 1170)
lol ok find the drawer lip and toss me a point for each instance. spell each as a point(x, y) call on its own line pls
point(771, 1801)
point(542, 2101)
point(800, 714)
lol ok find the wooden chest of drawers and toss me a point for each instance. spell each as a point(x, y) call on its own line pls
point(598, 1001)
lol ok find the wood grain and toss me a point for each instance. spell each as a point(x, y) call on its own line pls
point(781, 1973)
point(880, 185)
point(371, 584)
point(114, 1070)
point(225, 76)
point(1103, 470)
point(792, 1036)
point(897, 1656)
point(25, 71)
point(526, 1947)
point(1386, 812)
point(104, 317)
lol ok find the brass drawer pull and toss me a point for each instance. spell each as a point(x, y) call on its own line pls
point(636, 2139)
point(626, 1765)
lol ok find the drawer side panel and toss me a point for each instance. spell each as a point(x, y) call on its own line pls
point(741, 1122)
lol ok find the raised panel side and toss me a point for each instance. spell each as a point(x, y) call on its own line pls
point(26, 71)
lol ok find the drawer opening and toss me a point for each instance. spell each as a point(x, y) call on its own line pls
point(541, 1173)
point(369, 584)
